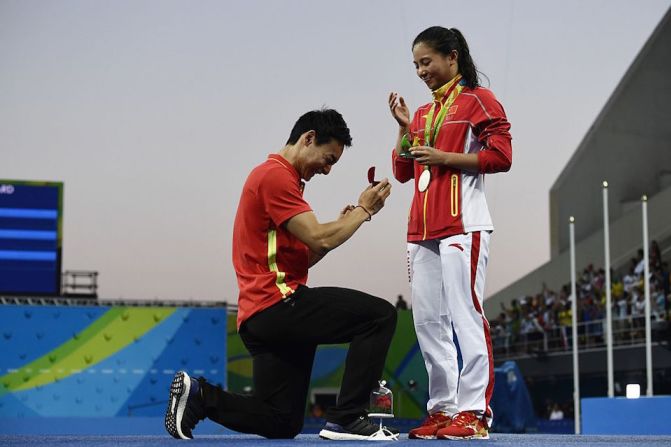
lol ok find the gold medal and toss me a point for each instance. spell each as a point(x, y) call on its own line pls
point(424, 180)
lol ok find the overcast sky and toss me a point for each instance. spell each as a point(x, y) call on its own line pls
point(152, 113)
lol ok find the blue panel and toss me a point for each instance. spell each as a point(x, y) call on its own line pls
point(30, 278)
point(42, 196)
point(327, 360)
point(25, 266)
point(622, 416)
point(20, 255)
point(29, 332)
point(511, 403)
point(29, 213)
point(103, 389)
point(560, 426)
point(198, 347)
point(133, 382)
point(29, 224)
point(28, 244)
point(29, 230)
point(28, 234)
point(14, 406)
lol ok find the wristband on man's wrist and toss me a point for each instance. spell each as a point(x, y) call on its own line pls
point(370, 216)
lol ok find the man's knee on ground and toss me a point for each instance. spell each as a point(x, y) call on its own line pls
point(288, 427)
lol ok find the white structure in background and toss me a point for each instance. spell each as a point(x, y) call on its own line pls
point(607, 286)
point(574, 330)
point(646, 282)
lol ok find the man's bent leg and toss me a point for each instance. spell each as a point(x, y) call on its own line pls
point(329, 315)
point(367, 323)
point(276, 408)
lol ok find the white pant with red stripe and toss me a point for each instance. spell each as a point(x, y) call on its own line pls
point(448, 283)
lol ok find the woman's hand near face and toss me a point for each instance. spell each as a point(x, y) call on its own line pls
point(399, 110)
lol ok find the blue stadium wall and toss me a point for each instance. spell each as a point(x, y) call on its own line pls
point(95, 361)
point(107, 370)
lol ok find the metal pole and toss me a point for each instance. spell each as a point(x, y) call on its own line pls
point(609, 316)
point(646, 282)
point(574, 331)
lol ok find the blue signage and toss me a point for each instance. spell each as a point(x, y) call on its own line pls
point(30, 237)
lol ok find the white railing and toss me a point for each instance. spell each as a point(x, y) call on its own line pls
point(629, 330)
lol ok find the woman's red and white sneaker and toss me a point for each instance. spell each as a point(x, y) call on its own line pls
point(465, 425)
point(430, 426)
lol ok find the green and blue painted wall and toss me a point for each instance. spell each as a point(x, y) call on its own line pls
point(97, 361)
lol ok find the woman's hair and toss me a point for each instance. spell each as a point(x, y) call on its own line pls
point(444, 41)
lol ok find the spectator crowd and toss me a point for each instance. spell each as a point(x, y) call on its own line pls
point(542, 322)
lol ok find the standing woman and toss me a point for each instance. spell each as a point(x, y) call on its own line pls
point(447, 147)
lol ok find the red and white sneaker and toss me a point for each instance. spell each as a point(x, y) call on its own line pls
point(465, 425)
point(430, 426)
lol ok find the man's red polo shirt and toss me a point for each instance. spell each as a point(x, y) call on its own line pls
point(269, 261)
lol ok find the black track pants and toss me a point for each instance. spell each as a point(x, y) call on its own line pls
point(282, 341)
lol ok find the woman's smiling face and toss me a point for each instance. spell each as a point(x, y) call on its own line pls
point(434, 68)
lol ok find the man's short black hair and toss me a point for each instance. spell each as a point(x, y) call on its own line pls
point(327, 123)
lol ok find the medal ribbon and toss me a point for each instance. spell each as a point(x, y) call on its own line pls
point(431, 127)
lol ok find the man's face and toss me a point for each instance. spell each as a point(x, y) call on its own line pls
point(319, 159)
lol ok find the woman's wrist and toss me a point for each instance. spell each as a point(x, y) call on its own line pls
point(446, 158)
